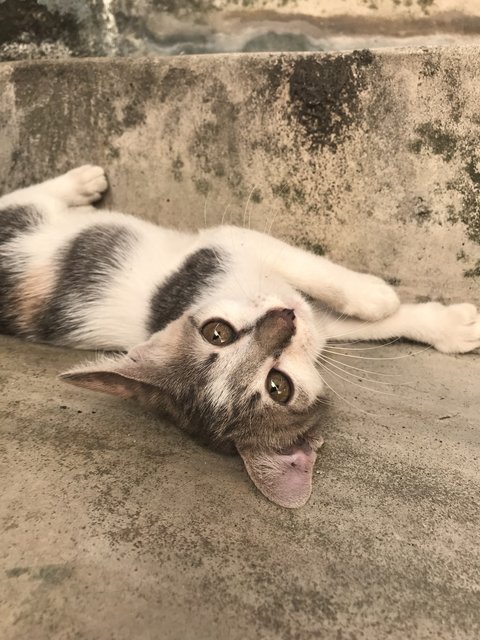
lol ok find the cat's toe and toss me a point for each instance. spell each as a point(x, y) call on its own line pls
point(461, 331)
point(88, 183)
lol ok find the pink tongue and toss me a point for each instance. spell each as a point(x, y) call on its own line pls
point(284, 478)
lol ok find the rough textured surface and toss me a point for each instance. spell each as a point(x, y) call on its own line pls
point(113, 525)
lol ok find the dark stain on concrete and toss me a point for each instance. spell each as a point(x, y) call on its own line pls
point(177, 166)
point(324, 95)
point(474, 272)
point(468, 185)
point(310, 245)
point(16, 572)
point(291, 193)
point(177, 82)
point(422, 212)
point(96, 108)
point(53, 574)
point(215, 145)
point(433, 137)
point(437, 138)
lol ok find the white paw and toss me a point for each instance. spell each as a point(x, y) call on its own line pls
point(456, 328)
point(81, 186)
point(370, 298)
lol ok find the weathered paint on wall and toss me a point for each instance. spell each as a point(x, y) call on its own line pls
point(371, 157)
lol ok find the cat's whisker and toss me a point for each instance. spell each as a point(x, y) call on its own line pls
point(340, 345)
point(351, 404)
point(246, 207)
point(225, 213)
point(205, 212)
point(407, 355)
point(356, 384)
point(272, 222)
point(357, 376)
point(349, 366)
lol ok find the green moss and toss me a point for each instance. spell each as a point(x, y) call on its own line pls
point(16, 572)
point(325, 95)
point(309, 245)
point(471, 169)
point(177, 166)
point(434, 138)
point(256, 196)
point(425, 4)
point(202, 186)
point(53, 573)
point(474, 272)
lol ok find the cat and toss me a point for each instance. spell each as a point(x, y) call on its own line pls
point(218, 330)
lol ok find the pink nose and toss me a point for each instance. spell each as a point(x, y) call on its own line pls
point(288, 315)
point(275, 329)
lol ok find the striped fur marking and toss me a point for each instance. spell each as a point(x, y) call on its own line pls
point(84, 271)
point(184, 287)
point(15, 221)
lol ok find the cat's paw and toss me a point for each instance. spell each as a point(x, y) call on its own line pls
point(370, 298)
point(456, 328)
point(80, 186)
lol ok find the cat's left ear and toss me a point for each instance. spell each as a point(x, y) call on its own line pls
point(285, 479)
point(119, 377)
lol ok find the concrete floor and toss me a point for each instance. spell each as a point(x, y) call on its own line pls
point(116, 526)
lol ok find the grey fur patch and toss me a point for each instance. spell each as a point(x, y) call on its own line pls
point(184, 287)
point(14, 221)
point(85, 270)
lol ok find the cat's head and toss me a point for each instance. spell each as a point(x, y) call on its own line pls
point(236, 376)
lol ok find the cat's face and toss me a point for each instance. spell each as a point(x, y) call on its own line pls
point(237, 374)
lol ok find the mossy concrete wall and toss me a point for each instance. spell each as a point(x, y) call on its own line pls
point(371, 157)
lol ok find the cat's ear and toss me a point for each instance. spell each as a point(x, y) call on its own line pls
point(118, 377)
point(285, 479)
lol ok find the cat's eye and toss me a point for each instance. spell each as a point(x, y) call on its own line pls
point(279, 386)
point(218, 333)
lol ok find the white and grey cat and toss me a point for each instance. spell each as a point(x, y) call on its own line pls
point(222, 328)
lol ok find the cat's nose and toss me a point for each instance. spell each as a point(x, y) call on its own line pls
point(276, 328)
point(288, 316)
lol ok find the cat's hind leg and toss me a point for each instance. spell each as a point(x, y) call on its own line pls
point(79, 187)
point(448, 328)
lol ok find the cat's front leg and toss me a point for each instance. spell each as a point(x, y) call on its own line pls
point(365, 296)
point(448, 328)
point(79, 187)
point(348, 292)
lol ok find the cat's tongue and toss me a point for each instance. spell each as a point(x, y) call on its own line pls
point(283, 477)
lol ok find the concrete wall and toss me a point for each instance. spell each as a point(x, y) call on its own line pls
point(60, 28)
point(371, 157)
